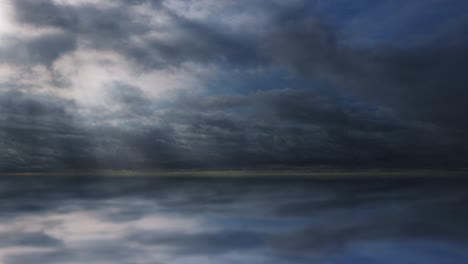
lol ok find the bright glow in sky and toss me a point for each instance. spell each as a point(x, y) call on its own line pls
point(6, 12)
point(220, 84)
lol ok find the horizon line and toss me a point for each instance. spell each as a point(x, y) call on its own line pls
point(335, 173)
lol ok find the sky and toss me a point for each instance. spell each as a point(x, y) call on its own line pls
point(232, 85)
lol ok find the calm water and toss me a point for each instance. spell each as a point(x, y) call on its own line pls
point(160, 220)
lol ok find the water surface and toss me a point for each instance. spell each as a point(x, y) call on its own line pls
point(235, 220)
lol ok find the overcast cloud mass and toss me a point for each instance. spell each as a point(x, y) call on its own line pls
point(218, 84)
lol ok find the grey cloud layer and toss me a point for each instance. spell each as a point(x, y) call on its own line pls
point(379, 107)
point(265, 129)
point(38, 133)
point(41, 50)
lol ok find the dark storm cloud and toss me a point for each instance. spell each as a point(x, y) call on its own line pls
point(144, 148)
point(38, 133)
point(87, 19)
point(192, 42)
point(423, 80)
point(132, 99)
point(32, 239)
point(302, 127)
point(301, 40)
point(296, 36)
point(103, 29)
point(382, 105)
point(205, 243)
point(42, 50)
point(116, 252)
point(428, 81)
point(283, 128)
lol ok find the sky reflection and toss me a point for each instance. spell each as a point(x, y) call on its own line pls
point(160, 220)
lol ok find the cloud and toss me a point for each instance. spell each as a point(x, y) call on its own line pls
point(147, 40)
point(213, 84)
point(34, 239)
point(282, 128)
point(205, 243)
point(38, 133)
point(41, 50)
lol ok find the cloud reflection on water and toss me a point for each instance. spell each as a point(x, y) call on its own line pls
point(160, 220)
